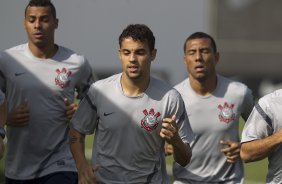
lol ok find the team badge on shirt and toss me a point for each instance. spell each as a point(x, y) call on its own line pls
point(226, 112)
point(63, 77)
point(150, 121)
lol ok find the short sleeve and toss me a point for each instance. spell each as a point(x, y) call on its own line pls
point(85, 118)
point(248, 104)
point(86, 79)
point(182, 121)
point(258, 124)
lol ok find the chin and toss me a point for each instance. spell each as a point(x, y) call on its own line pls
point(202, 78)
point(39, 44)
point(133, 75)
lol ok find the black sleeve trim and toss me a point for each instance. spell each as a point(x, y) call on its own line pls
point(90, 103)
point(264, 115)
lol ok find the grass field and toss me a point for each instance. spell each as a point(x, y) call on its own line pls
point(255, 173)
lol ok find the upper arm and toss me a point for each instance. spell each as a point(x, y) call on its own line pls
point(248, 104)
point(86, 79)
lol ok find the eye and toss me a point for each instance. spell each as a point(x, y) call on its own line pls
point(190, 52)
point(205, 50)
point(125, 52)
point(141, 52)
point(31, 19)
point(44, 19)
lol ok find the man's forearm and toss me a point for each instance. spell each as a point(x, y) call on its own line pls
point(77, 146)
point(182, 152)
point(260, 149)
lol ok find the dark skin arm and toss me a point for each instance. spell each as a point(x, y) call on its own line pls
point(70, 108)
point(19, 116)
point(181, 152)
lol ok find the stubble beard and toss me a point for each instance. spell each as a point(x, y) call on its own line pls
point(135, 76)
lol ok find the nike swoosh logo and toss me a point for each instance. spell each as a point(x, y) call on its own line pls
point(19, 73)
point(107, 114)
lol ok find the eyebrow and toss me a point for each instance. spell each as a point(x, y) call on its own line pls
point(141, 49)
point(28, 17)
point(203, 48)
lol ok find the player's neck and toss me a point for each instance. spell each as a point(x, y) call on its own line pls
point(203, 87)
point(134, 87)
point(43, 52)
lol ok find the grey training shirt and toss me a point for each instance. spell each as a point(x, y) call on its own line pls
point(128, 147)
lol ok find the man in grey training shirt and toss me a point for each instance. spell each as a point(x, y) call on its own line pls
point(262, 135)
point(40, 79)
point(214, 105)
point(132, 114)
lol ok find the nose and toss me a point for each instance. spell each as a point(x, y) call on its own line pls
point(132, 57)
point(198, 56)
point(37, 24)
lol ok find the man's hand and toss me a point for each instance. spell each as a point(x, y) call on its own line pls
point(70, 109)
point(86, 174)
point(168, 149)
point(19, 116)
point(169, 130)
point(231, 150)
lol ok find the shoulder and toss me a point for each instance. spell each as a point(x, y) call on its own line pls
point(15, 49)
point(68, 54)
point(271, 103)
point(274, 97)
point(9, 54)
point(231, 82)
point(104, 86)
point(234, 86)
point(182, 86)
point(162, 88)
point(107, 82)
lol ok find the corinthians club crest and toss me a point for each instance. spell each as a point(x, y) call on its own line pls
point(226, 112)
point(150, 121)
point(63, 77)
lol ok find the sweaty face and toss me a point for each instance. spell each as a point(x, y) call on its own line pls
point(200, 58)
point(136, 58)
point(40, 26)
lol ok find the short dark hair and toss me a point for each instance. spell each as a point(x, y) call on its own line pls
point(138, 32)
point(42, 3)
point(201, 35)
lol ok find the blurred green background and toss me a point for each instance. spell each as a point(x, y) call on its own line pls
point(255, 172)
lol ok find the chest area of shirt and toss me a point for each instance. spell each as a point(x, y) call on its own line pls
point(134, 115)
point(220, 115)
point(42, 74)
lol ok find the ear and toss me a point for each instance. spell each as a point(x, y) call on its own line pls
point(119, 54)
point(56, 23)
point(153, 54)
point(184, 60)
point(24, 24)
point(216, 57)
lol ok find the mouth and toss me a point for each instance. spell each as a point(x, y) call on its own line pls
point(38, 35)
point(133, 68)
point(200, 68)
